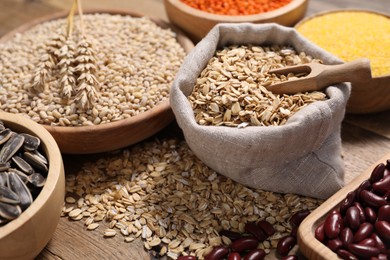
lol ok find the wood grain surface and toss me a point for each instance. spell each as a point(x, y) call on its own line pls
point(365, 138)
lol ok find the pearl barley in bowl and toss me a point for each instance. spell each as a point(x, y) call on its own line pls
point(102, 86)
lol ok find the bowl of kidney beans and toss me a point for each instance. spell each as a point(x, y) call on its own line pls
point(355, 225)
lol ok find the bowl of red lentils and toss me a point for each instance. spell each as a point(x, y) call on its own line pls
point(196, 18)
point(353, 34)
point(102, 86)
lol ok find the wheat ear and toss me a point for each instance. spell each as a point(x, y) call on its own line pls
point(87, 82)
point(66, 55)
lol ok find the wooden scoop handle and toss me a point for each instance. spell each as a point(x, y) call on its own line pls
point(321, 76)
point(354, 71)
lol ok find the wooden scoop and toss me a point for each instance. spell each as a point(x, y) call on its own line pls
point(321, 76)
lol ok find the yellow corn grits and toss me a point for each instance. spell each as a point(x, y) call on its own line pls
point(350, 35)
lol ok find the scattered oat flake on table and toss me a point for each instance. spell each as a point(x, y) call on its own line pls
point(192, 205)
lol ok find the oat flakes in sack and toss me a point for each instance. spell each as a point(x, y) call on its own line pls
point(302, 156)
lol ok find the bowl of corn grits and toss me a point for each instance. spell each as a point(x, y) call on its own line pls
point(196, 18)
point(353, 34)
point(93, 90)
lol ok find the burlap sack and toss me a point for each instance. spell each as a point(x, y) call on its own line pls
point(302, 157)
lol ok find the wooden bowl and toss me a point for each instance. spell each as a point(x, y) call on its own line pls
point(198, 23)
point(370, 96)
point(308, 244)
point(114, 135)
point(25, 236)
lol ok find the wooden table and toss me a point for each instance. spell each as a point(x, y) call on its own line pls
point(365, 138)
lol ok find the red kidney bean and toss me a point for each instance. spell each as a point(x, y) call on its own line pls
point(230, 234)
point(388, 164)
point(294, 232)
point(387, 196)
point(344, 254)
point(378, 241)
point(266, 227)
point(285, 244)
point(333, 225)
point(289, 257)
point(334, 244)
point(353, 217)
point(361, 212)
point(383, 230)
point(346, 236)
point(365, 230)
point(379, 257)
point(234, 256)
point(377, 173)
point(372, 199)
point(365, 185)
point(335, 211)
point(319, 233)
point(368, 242)
point(186, 257)
point(363, 251)
point(256, 231)
point(255, 254)
point(382, 257)
point(384, 213)
point(217, 253)
point(382, 186)
point(244, 243)
point(347, 202)
point(298, 217)
point(370, 214)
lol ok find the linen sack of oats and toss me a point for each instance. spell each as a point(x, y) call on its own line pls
point(302, 156)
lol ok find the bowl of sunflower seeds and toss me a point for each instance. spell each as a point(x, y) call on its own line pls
point(97, 81)
point(32, 187)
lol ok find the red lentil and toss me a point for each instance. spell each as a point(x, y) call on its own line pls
point(236, 7)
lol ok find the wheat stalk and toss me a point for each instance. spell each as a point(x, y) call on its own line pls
point(46, 63)
point(66, 62)
point(67, 79)
point(87, 82)
point(53, 54)
point(76, 63)
point(42, 72)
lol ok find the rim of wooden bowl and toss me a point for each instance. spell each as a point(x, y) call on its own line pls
point(238, 18)
point(55, 175)
point(316, 15)
point(105, 129)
